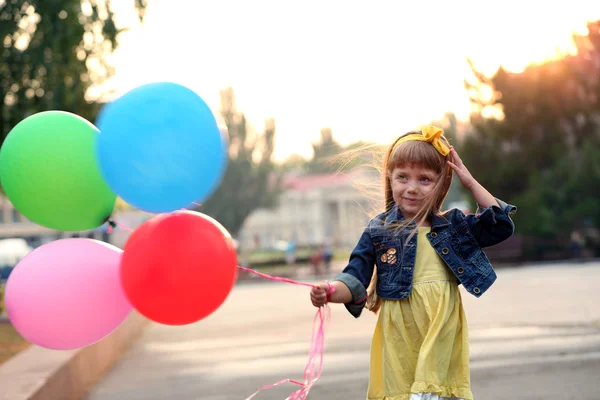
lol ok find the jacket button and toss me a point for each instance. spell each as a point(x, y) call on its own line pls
point(460, 270)
point(476, 290)
point(445, 250)
point(433, 234)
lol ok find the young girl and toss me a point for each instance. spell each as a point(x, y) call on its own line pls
point(410, 260)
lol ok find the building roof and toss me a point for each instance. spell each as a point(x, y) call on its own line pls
point(307, 182)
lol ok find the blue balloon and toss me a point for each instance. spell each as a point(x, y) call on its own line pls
point(160, 148)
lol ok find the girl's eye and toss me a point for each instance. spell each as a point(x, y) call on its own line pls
point(401, 177)
point(425, 180)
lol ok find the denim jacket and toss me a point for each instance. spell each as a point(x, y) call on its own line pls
point(456, 237)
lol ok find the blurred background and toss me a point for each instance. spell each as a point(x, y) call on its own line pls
point(301, 86)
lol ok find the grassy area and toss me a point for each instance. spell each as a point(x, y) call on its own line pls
point(341, 255)
point(270, 258)
point(266, 256)
point(10, 342)
point(280, 267)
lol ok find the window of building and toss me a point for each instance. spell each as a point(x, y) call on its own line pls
point(15, 216)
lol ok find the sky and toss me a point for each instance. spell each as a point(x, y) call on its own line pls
point(368, 70)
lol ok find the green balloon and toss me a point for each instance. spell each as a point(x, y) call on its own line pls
point(49, 172)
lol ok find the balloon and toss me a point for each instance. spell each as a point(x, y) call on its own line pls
point(49, 172)
point(67, 294)
point(160, 148)
point(225, 140)
point(178, 268)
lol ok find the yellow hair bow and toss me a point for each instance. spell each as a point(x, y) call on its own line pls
point(430, 134)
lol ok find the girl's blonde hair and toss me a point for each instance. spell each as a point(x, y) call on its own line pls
point(423, 154)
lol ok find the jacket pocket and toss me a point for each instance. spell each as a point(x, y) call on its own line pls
point(388, 255)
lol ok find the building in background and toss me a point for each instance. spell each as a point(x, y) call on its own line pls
point(314, 209)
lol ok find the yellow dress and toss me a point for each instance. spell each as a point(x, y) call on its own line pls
point(420, 344)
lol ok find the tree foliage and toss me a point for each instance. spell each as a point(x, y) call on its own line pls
point(250, 181)
point(53, 52)
point(324, 152)
point(537, 139)
point(329, 156)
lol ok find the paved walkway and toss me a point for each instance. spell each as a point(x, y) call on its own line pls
point(535, 335)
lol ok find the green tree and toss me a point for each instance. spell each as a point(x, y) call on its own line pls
point(536, 138)
point(294, 162)
point(325, 152)
point(329, 156)
point(250, 181)
point(53, 52)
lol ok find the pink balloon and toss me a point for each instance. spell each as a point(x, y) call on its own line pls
point(67, 294)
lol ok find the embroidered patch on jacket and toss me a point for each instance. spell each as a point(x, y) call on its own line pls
point(389, 256)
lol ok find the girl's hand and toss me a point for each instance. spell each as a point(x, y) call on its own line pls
point(461, 170)
point(483, 198)
point(318, 295)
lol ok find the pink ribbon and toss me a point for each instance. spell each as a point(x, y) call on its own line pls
point(314, 366)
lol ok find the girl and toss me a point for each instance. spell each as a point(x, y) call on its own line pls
point(410, 260)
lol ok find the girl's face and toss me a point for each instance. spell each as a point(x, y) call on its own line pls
point(411, 184)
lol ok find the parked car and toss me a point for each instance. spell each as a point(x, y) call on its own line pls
point(11, 252)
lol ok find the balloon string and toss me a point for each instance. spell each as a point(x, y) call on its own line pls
point(113, 224)
point(314, 366)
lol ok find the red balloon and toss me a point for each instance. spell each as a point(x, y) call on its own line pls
point(178, 268)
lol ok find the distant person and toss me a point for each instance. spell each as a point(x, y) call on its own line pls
point(577, 244)
point(256, 241)
point(290, 253)
point(327, 250)
point(408, 264)
point(316, 260)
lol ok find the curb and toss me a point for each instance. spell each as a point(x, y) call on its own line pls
point(42, 374)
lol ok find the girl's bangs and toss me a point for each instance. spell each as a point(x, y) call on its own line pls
point(418, 153)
